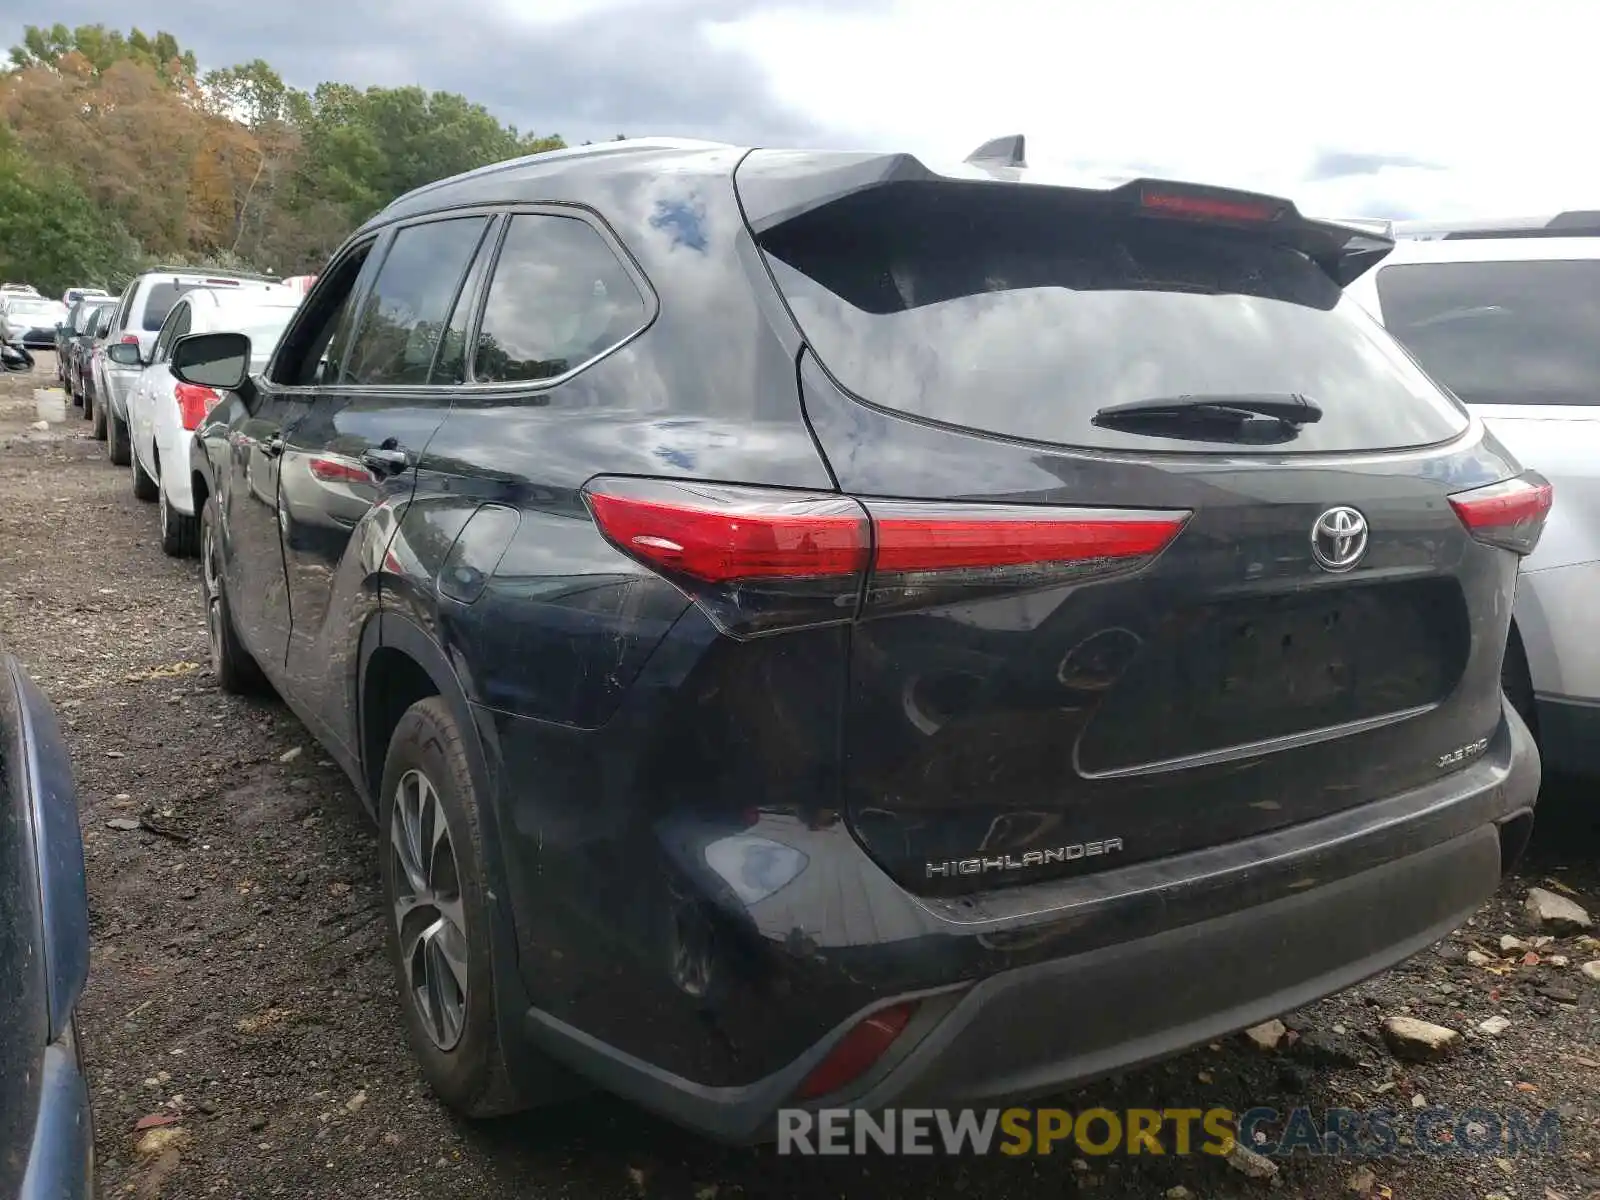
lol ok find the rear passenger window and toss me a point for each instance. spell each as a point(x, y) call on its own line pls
point(559, 298)
point(404, 321)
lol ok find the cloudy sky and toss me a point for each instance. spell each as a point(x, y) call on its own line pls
point(1397, 108)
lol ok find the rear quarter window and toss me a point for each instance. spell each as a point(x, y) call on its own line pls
point(1500, 332)
point(158, 301)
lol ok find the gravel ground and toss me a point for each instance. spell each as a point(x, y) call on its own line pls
point(239, 983)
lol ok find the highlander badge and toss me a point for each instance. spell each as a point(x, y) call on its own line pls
point(1032, 858)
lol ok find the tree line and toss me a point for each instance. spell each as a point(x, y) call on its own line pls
point(117, 153)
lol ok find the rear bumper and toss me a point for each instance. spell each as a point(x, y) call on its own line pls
point(1109, 971)
point(61, 1158)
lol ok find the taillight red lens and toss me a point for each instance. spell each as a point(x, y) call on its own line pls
point(857, 1051)
point(722, 535)
point(340, 470)
point(758, 560)
point(129, 339)
point(1510, 514)
point(930, 553)
point(916, 539)
point(761, 560)
point(194, 402)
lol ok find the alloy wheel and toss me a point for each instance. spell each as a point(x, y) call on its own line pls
point(211, 581)
point(428, 911)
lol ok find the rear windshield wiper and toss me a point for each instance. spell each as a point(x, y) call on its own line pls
point(1223, 408)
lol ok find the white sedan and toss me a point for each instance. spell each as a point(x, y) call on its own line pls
point(162, 412)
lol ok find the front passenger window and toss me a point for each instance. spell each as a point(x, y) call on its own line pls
point(313, 347)
point(404, 322)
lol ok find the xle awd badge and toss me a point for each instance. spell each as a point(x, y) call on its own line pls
point(1462, 753)
point(1032, 858)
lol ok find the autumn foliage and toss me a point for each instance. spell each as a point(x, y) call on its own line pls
point(115, 152)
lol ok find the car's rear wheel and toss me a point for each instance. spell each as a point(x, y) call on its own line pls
point(93, 409)
point(231, 663)
point(180, 534)
point(439, 931)
point(117, 442)
point(144, 488)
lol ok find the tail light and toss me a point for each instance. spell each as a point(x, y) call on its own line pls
point(339, 470)
point(763, 560)
point(194, 402)
point(129, 339)
point(934, 553)
point(1510, 514)
point(856, 1052)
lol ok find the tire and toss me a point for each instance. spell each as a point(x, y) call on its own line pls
point(117, 448)
point(96, 412)
point(144, 488)
point(462, 1058)
point(236, 672)
point(180, 535)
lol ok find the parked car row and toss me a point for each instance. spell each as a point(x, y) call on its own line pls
point(823, 629)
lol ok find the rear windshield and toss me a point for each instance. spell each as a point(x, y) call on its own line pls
point(263, 328)
point(159, 300)
point(1500, 332)
point(1018, 312)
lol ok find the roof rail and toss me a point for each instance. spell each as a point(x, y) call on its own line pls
point(1572, 223)
point(1008, 151)
point(218, 272)
point(565, 154)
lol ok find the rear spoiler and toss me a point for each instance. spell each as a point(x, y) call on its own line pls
point(779, 186)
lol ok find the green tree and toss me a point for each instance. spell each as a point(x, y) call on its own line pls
point(100, 49)
point(252, 93)
point(51, 234)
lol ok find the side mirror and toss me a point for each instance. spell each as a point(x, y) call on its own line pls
point(125, 354)
point(213, 360)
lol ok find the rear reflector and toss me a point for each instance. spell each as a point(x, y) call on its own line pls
point(762, 560)
point(857, 1051)
point(194, 402)
point(1510, 514)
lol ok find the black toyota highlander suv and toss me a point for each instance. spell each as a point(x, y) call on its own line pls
point(818, 628)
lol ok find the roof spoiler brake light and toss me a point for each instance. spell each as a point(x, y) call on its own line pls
point(1210, 204)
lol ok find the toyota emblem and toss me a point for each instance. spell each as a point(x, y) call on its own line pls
point(1339, 539)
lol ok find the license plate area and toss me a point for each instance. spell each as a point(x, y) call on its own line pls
point(1259, 668)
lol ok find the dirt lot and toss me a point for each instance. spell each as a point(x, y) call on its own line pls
point(239, 982)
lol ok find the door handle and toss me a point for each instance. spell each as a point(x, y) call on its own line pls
point(272, 446)
point(385, 461)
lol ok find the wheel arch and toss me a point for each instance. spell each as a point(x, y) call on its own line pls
point(397, 665)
